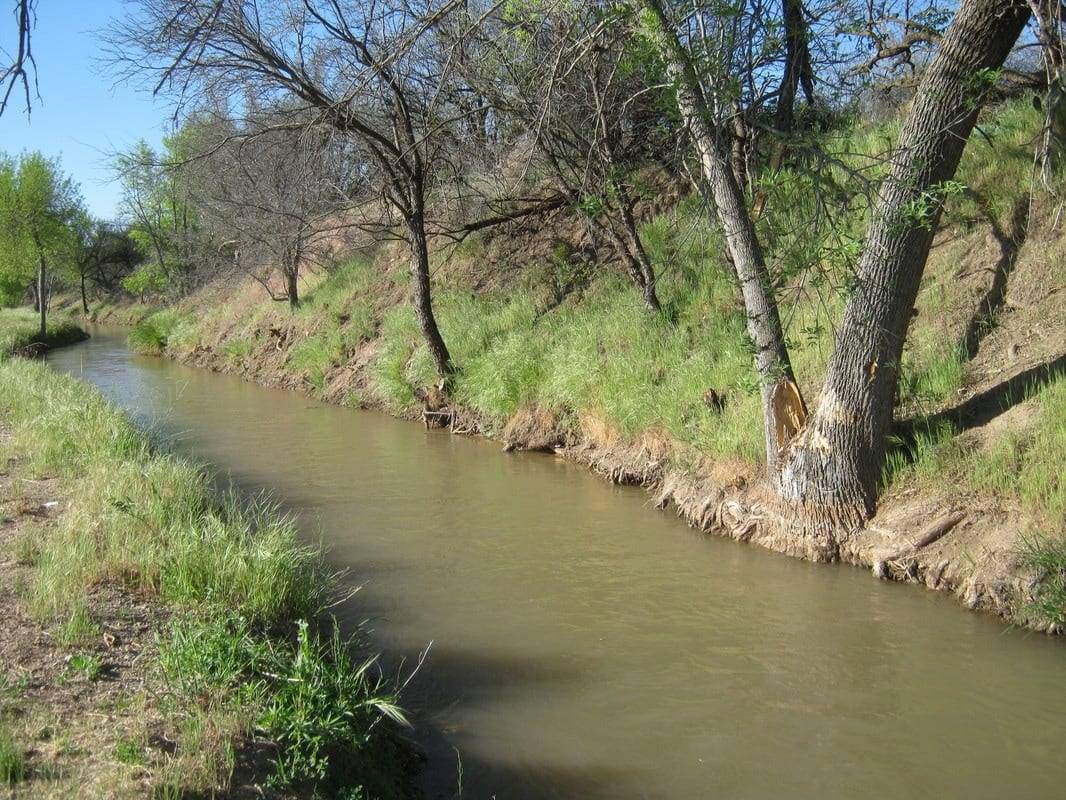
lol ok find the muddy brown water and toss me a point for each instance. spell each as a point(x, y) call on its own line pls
point(586, 645)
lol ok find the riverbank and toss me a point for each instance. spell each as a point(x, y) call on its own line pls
point(555, 352)
point(162, 639)
point(970, 512)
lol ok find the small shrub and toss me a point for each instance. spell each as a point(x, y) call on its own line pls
point(1047, 555)
point(130, 751)
point(88, 666)
point(321, 699)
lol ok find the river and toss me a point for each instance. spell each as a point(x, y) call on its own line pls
point(586, 645)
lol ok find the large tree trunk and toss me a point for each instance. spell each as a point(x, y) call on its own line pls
point(833, 467)
point(42, 296)
point(292, 289)
point(423, 298)
point(782, 404)
point(84, 298)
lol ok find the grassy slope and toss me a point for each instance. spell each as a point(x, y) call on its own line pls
point(242, 651)
point(600, 369)
point(21, 329)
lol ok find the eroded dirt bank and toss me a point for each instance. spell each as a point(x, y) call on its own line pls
point(989, 330)
point(961, 542)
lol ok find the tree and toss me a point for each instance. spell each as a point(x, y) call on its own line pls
point(375, 72)
point(22, 62)
point(100, 254)
point(156, 207)
point(38, 208)
point(577, 94)
point(266, 194)
point(828, 466)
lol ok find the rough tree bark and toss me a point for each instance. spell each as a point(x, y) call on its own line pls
point(84, 298)
point(829, 466)
point(423, 297)
point(832, 468)
point(782, 404)
point(292, 288)
point(42, 295)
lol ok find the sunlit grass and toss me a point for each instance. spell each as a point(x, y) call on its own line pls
point(1030, 464)
point(155, 332)
point(246, 649)
point(20, 327)
point(1047, 556)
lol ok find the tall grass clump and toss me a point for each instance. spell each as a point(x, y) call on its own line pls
point(1047, 556)
point(153, 333)
point(933, 378)
point(315, 355)
point(13, 768)
point(307, 691)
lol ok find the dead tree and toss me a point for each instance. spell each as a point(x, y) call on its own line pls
point(374, 72)
point(17, 73)
point(266, 190)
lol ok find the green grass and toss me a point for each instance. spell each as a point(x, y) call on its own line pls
point(1024, 465)
point(315, 355)
point(153, 333)
point(237, 350)
point(20, 327)
point(935, 381)
point(86, 665)
point(246, 649)
point(131, 751)
point(1047, 556)
point(13, 767)
point(77, 626)
point(148, 519)
point(602, 355)
point(306, 691)
point(1030, 464)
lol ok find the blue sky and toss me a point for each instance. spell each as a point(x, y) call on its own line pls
point(83, 115)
